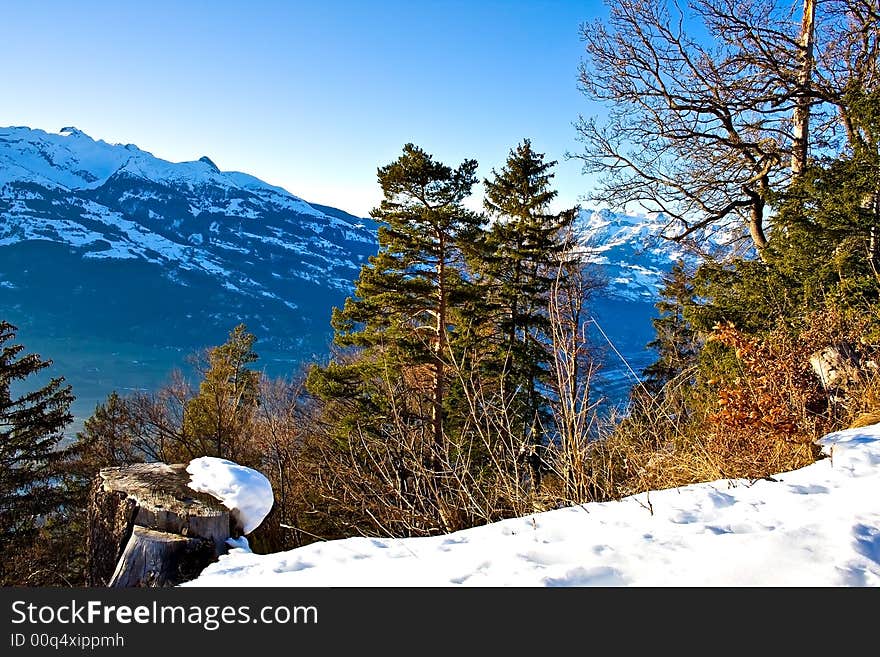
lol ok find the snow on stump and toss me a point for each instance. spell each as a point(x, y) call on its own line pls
point(245, 492)
point(155, 524)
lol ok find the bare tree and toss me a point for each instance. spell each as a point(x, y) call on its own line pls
point(574, 364)
point(276, 436)
point(764, 35)
point(829, 70)
point(693, 130)
point(157, 420)
point(705, 129)
point(847, 59)
point(835, 50)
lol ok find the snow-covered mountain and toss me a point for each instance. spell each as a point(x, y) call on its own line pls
point(119, 202)
point(632, 257)
point(248, 249)
point(116, 263)
point(629, 251)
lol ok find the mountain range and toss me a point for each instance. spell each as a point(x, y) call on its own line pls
point(116, 264)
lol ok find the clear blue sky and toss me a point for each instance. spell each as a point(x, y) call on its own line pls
point(311, 96)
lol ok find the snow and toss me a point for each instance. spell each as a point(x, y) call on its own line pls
point(245, 491)
point(73, 160)
point(818, 526)
point(66, 163)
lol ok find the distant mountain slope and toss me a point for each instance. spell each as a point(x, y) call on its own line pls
point(630, 254)
point(630, 251)
point(221, 243)
point(106, 247)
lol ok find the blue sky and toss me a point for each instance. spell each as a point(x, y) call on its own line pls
point(311, 96)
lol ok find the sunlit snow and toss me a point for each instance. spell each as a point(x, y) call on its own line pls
point(245, 491)
point(817, 526)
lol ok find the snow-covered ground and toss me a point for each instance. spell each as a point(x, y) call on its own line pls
point(817, 526)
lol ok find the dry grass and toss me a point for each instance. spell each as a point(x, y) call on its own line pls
point(760, 415)
point(865, 419)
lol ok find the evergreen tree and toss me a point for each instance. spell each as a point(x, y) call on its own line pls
point(825, 245)
point(31, 430)
point(522, 256)
point(831, 217)
point(676, 340)
point(215, 418)
point(109, 438)
point(403, 314)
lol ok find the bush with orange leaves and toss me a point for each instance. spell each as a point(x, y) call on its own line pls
point(770, 406)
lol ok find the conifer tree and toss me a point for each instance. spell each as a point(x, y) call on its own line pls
point(521, 258)
point(403, 314)
point(827, 244)
point(676, 341)
point(31, 430)
point(832, 215)
point(227, 395)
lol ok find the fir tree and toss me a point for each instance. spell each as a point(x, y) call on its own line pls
point(227, 395)
point(31, 430)
point(831, 216)
point(522, 256)
point(676, 341)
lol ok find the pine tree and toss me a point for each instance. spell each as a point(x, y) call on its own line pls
point(215, 418)
point(522, 256)
point(403, 314)
point(31, 430)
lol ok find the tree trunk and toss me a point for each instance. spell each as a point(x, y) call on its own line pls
point(801, 115)
point(873, 248)
point(756, 219)
point(439, 351)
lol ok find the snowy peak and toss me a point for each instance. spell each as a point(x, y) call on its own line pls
point(629, 250)
point(72, 160)
point(113, 202)
point(605, 229)
point(69, 159)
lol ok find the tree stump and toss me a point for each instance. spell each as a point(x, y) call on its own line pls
point(152, 558)
point(148, 528)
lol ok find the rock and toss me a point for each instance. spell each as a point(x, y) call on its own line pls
point(837, 367)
